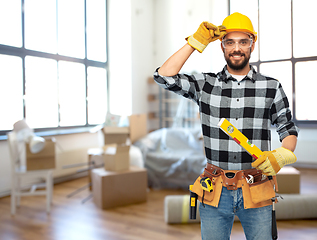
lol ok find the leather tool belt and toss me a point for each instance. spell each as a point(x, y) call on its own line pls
point(256, 193)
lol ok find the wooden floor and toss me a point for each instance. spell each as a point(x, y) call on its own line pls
point(72, 220)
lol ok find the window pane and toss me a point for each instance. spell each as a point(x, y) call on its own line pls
point(71, 30)
point(41, 92)
point(40, 25)
point(305, 96)
point(96, 30)
point(282, 71)
point(304, 17)
point(72, 93)
point(10, 23)
point(11, 96)
point(97, 95)
point(252, 12)
point(275, 29)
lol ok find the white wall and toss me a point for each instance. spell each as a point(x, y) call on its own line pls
point(142, 35)
point(177, 19)
point(120, 67)
point(142, 12)
point(130, 54)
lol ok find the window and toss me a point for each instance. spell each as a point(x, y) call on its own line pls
point(53, 63)
point(11, 83)
point(284, 53)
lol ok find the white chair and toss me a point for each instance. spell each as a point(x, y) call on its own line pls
point(20, 173)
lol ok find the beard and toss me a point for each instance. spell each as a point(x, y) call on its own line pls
point(237, 65)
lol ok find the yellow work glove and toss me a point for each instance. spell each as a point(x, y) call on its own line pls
point(272, 161)
point(206, 33)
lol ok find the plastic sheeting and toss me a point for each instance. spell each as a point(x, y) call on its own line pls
point(174, 157)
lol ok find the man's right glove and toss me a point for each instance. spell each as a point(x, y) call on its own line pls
point(272, 161)
point(206, 33)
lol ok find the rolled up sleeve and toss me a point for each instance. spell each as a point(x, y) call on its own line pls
point(281, 115)
point(188, 86)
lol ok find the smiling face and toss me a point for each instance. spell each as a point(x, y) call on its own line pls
point(237, 56)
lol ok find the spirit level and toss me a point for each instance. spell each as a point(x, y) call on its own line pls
point(239, 138)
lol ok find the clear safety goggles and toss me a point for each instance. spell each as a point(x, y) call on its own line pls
point(242, 43)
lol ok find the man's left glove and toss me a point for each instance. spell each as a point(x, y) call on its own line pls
point(272, 161)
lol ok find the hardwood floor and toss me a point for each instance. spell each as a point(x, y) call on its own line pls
point(70, 219)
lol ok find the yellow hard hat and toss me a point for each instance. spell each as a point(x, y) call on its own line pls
point(237, 22)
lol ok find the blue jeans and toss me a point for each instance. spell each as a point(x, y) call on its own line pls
point(216, 223)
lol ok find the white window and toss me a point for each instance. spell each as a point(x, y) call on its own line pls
point(53, 60)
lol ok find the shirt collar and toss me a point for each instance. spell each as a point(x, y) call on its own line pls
point(225, 76)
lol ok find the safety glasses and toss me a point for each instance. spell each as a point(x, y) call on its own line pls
point(242, 43)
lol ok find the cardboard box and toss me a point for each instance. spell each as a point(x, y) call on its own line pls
point(116, 134)
point(138, 126)
point(120, 135)
point(114, 189)
point(95, 160)
point(116, 157)
point(288, 180)
point(45, 159)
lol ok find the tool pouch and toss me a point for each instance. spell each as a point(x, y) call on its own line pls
point(209, 198)
point(259, 193)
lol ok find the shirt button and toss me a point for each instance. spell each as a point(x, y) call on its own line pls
point(238, 100)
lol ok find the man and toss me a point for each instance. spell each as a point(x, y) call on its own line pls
point(252, 103)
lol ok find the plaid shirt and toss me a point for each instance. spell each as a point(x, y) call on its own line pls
point(251, 105)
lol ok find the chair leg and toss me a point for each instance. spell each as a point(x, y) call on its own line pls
point(52, 188)
point(49, 192)
point(13, 203)
point(13, 196)
point(18, 189)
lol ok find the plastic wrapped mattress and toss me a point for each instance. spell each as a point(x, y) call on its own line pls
point(174, 157)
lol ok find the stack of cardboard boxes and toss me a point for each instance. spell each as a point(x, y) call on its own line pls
point(118, 183)
point(116, 148)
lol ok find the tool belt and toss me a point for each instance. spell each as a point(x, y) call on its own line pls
point(257, 190)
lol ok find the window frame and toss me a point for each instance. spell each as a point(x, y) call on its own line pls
point(22, 52)
point(293, 60)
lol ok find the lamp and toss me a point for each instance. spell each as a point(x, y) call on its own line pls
point(25, 133)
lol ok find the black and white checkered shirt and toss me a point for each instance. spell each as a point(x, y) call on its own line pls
point(251, 105)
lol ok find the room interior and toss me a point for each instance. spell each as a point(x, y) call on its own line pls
point(142, 34)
